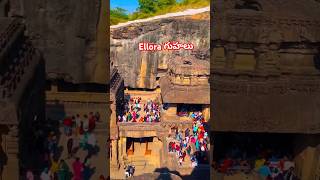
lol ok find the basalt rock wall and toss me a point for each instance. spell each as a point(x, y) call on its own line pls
point(66, 32)
point(140, 69)
point(265, 72)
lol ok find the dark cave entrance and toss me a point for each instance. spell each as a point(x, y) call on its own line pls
point(65, 86)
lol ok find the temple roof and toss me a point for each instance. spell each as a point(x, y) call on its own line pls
point(173, 93)
point(189, 66)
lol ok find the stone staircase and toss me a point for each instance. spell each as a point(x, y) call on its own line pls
point(141, 165)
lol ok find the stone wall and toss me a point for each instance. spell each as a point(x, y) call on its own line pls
point(66, 32)
point(140, 69)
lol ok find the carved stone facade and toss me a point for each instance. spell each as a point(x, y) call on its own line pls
point(186, 82)
point(186, 78)
point(141, 69)
point(265, 66)
point(21, 84)
point(117, 108)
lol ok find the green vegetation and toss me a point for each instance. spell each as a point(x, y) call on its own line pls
point(149, 8)
point(118, 15)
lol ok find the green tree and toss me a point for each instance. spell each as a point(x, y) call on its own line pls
point(118, 15)
point(151, 6)
point(166, 3)
point(148, 6)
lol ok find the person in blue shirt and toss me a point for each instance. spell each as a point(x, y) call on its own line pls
point(264, 171)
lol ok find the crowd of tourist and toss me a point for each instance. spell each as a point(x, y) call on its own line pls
point(80, 135)
point(192, 143)
point(272, 168)
point(135, 113)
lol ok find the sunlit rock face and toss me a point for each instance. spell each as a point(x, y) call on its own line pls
point(140, 69)
point(66, 32)
point(265, 66)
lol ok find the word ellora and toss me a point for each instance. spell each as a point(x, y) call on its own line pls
point(170, 45)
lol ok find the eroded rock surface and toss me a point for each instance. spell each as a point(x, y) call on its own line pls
point(66, 32)
point(140, 69)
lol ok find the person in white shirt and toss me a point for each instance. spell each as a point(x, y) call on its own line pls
point(92, 140)
point(45, 175)
point(78, 121)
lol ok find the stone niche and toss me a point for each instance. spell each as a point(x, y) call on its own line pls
point(245, 60)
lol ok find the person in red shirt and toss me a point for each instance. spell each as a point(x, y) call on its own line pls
point(67, 122)
point(177, 147)
point(92, 122)
point(226, 165)
point(173, 146)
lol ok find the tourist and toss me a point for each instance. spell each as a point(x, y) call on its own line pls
point(289, 175)
point(50, 141)
point(97, 115)
point(63, 173)
point(67, 123)
point(84, 141)
point(70, 147)
point(194, 162)
point(264, 171)
point(131, 170)
point(226, 165)
point(259, 163)
point(77, 167)
point(85, 123)
point(78, 124)
point(29, 175)
point(54, 168)
point(170, 146)
point(287, 164)
point(92, 121)
point(81, 130)
point(91, 144)
point(189, 150)
point(73, 118)
point(45, 174)
point(87, 172)
point(128, 171)
point(187, 132)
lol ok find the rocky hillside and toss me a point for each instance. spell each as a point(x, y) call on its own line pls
point(140, 69)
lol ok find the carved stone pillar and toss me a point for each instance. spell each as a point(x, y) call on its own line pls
point(231, 49)
point(124, 146)
point(11, 170)
point(3, 4)
point(219, 59)
point(273, 57)
point(113, 118)
point(114, 154)
point(261, 55)
point(164, 152)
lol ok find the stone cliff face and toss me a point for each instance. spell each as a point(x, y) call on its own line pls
point(140, 69)
point(66, 33)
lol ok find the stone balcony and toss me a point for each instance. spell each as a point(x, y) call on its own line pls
point(137, 130)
